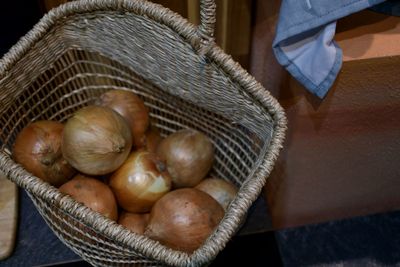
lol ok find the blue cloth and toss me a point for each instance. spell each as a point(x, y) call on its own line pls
point(304, 42)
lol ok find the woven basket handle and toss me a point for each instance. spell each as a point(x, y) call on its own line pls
point(207, 19)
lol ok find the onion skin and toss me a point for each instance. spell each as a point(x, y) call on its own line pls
point(140, 182)
point(222, 191)
point(38, 149)
point(93, 194)
point(132, 108)
point(189, 156)
point(135, 222)
point(152, 139)
point(183, 219)
point(96, 140)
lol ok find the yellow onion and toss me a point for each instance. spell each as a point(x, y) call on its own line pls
point(183, 219)
point(38, 149)
point(93, 194)
point(140, 182)
point(221, 190)
point(189, 156)
point(152, 139)
point(135, 222)
point(96, 140)
point(132, 108)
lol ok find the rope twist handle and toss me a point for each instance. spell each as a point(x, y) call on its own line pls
point(207, 18)
point(207, 24)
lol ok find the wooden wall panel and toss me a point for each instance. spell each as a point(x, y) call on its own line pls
point(341, 156)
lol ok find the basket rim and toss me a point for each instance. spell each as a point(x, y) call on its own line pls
point(249, 191)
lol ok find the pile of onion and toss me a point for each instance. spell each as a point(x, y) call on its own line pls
point(97, 142)
point(38, 149)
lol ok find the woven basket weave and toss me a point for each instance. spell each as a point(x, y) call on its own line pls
point(84, 48)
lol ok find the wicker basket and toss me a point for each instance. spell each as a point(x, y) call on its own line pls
point(83, 48)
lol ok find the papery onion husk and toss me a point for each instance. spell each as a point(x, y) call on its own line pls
point(189, 156)
point(38, 149)
point(93, 194)
point(135, 222)
point(152, 139)
point(222, 191)
point(140, 182)
point(96, 140)
point(183, 219)
point(132, 108)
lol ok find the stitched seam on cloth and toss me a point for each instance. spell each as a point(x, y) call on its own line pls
point(290, 63)
point(295, 71)
point(327, 83)
point(304, 80)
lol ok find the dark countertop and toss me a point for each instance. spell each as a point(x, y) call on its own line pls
point(360, 241)
point(37, 245)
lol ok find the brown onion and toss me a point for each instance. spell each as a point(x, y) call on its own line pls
point(152, 139)
point(189, 156)
point(96, 140)
point(222, 191)
point(38, 149)
point(132, 108)
point(136, 222)
point(140, 182)
point(183, 219)
point(93, 194)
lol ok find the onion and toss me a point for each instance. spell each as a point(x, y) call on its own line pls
point(140, 182)
point(222, 191)
point(96, 140)
point(152, 139)
point(38, 149)
point(93, 194)
point(135, 222)
point(132, 108)
point(183, 219)
point(189, 156)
